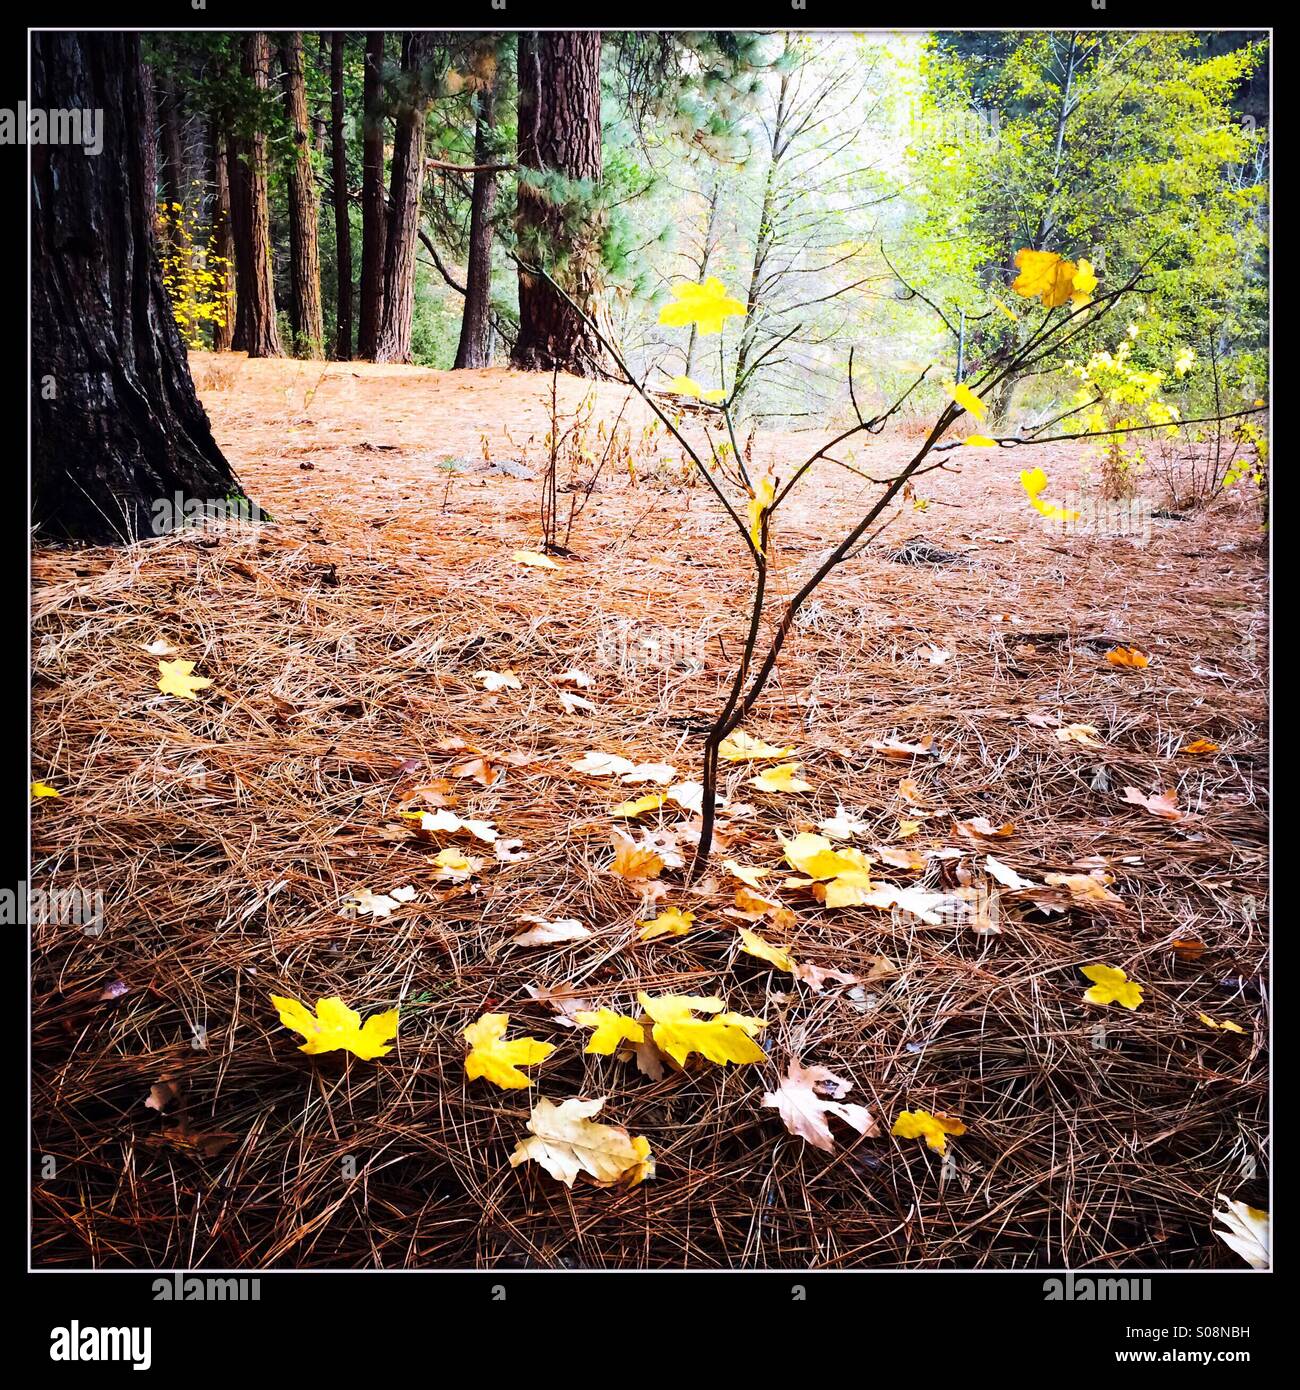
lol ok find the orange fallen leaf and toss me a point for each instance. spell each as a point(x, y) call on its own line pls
point(1127, 656)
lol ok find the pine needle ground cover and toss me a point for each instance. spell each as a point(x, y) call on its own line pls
point(967, 726)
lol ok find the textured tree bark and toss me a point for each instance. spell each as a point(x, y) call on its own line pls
point(223, 237)
point(475, 346)
point(394, 341)
point(305, 314)
point(116, 423)
point(342, 223)
point(559, 133)
point(255, 326)
point(373, 213)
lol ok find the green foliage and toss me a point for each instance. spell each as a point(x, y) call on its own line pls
point(1122, 147)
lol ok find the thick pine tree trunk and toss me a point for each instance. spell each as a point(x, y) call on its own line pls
point(407, 179)
point(223, 239)
point(306, 315)
point(559, 133)
point(342, 224)
point(116, 424)
point(255, 326)
point(475, 346)
point(373, 214)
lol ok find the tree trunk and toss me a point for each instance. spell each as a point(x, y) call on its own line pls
point(342, 222)
point(373, 213)
point(407, 179)
point(255, 327)
point(304, 211)
point(223, 240)
point(475, 347)
point(171, 167)
point(559, 134)
point(116, 424)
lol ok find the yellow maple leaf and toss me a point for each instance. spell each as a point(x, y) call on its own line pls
point(566, 1142)
point(174, 679)
point(934, 1129)
point(1085, 281)
point(1034, 480)
point(334, 1027)
point(764, 493)
point(980, 441)
point(629, 809)
point(780, 779)
point(705, 306)
point(497, 1060)
point(817, 857)
point(851, 889)
point(40, 789)
point(1111, 986)
point(670, 922)
point(1200, 745)
point(741, 747)
point(754, 945)
point(611, 1030)
point(1045, 275)
point(633, 861)
point(746, 873)
point(1003, 310)
point(1227, 1026)
point(725, 1038)
point(967, 399)
point(684, 386)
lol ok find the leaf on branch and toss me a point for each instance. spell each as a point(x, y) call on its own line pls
point(705, 305)
point(967, 399)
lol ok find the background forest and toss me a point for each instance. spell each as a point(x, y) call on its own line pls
point(364, 196)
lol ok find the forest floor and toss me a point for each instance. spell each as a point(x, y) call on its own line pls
point(344, 639)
